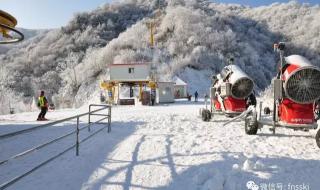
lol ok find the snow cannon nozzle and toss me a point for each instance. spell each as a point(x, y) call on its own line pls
point(301, 80)
point(241, 84)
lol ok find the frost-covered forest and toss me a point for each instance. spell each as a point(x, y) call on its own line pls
point(194, 39)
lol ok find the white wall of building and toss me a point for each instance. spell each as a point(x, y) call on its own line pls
point(129, 72)
point(165, 92)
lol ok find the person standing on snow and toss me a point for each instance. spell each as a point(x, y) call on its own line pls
point(196, 96)
point(153, 97)
point(43, 105)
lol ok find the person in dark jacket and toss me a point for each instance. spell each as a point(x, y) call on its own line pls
point(43, 105)
point(153, 97)
point(196, 96)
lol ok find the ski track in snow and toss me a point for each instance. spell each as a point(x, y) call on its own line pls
point(162, 147)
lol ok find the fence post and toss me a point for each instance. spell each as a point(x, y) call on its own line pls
point(109, 120)
point(77, 142)
point(89, 114)
point(89, 121)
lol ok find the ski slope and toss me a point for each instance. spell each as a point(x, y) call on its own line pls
point(161, 147)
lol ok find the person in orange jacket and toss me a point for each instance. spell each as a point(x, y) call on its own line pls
point(43, 105)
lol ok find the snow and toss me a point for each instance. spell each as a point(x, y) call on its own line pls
point(199, 81)
point(178, 81)
point(161, 147)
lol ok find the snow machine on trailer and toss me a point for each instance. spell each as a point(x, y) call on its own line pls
point(296, 97)
point(231, 89)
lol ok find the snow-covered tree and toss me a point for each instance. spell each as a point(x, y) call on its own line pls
point(191, 36)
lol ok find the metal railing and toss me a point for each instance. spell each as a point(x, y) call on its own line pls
point(76, 145)
point(97, 114)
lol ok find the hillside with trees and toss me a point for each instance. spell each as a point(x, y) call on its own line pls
point(194, 39)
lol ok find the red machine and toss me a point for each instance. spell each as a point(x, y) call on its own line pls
point(230, 93)
point(296, 97)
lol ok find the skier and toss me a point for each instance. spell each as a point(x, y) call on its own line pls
point(196, 96)
point(102, 98)
point(43, 105)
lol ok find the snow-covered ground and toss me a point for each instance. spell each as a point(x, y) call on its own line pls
point(161, 147)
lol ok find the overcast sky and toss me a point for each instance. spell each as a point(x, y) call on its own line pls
point(39, 14)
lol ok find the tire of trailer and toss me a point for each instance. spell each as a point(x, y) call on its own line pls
point(318, 138)
point(206, 115)
point(251, 124)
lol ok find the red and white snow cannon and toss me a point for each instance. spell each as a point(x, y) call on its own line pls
point(301, 85)
point(296, 95)
point(229, 93)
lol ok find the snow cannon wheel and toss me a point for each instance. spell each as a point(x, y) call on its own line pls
point(318, 138)
point(251, 124)
point(267, 111)
point(206, 115)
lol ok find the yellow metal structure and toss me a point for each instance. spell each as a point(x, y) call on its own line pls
point(7, 24)
point(152, 85)
point(151, 26)
point(110, 88)
point(107, 85)
point(140, 91)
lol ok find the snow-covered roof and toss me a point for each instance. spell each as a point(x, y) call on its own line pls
point(178, 81)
